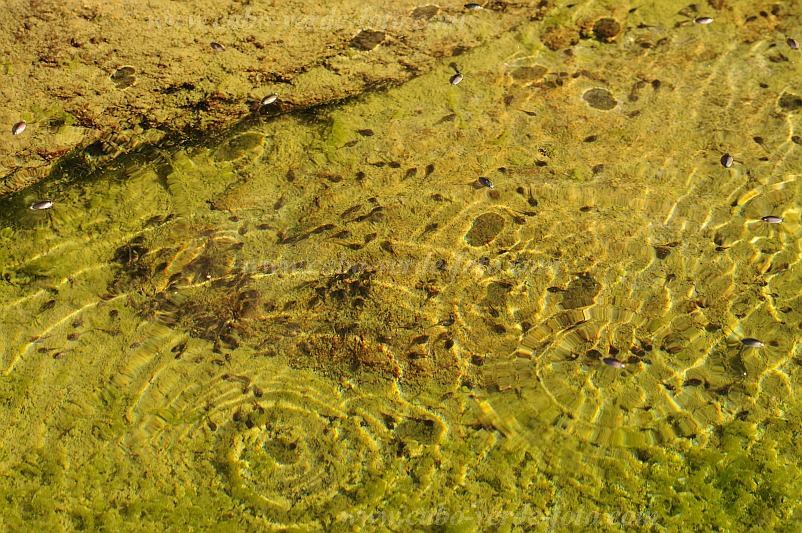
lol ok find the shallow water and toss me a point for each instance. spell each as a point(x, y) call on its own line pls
point(322, 320)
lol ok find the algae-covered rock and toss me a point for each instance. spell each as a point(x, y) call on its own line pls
point(132, 72)
point(484, 229)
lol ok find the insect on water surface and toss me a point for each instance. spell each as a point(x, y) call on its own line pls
point(613, 362)
point(44, 204)
point(753, 343)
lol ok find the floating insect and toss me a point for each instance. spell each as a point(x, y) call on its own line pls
point(44, 204)
point(613, 362)
point(456, 78)
point(753, 343)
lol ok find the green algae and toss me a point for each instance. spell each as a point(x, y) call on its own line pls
point(225, 351)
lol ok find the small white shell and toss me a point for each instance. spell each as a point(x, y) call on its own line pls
point(19, 127)
point(456, 78)
point(703, 20)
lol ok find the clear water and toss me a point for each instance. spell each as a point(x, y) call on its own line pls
point(323, 321)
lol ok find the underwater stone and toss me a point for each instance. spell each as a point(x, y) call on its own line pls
point(527, 74)
point(606, 29)
point(367, 40)
point(789, 102)
point(661, 252)
point(558, 37)
point(580, 292)
point(485, 228)
point(425, 12)
point(124, 77)
point(599, 99)
point(239, 146)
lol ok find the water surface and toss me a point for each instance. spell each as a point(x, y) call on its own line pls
point(323, 321)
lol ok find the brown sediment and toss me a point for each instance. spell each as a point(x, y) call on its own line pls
point(94, 80)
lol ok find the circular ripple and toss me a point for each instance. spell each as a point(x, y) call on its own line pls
point(680, 378)
point(295, 450)
point(289, 445)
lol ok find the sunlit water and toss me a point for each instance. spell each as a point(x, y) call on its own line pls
point(322, 320)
